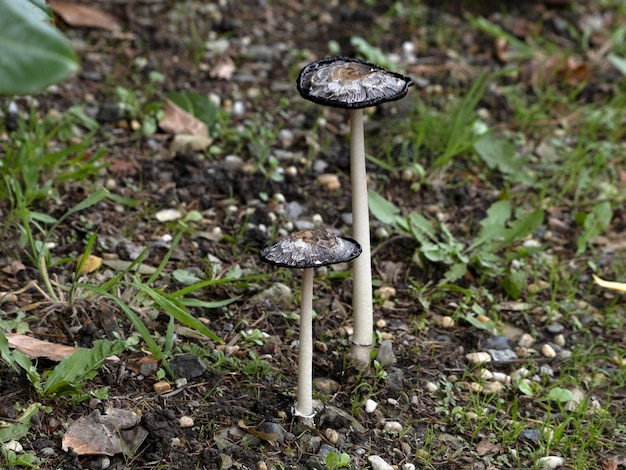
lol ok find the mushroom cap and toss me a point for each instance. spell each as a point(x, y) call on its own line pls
point(310, 249)
point(344, 82)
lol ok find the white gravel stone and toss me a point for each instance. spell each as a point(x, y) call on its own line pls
point(168, 215)
point(485, 374)
point(331, 435)
point(393, 426)
point(447, 322)
point(520, 373)
point(370, 406)
point(378, 463)
point(431, 387)
point(559, 340)
point(501, 377)
point(185, 421)
point(478, 357)
point(526, 341)
point(492, 388)
point(548, 351)
point(551, 461)
point(13, 445)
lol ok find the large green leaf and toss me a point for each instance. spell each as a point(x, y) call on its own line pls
point(34, 54)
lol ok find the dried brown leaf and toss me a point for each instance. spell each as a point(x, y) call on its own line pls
point(486, 447)
point(178, 121)
point(112, 433)
point(555, 69)
point(35, 348)
point(223, 69)
point(84, 16)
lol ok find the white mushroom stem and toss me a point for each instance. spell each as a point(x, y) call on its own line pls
point(304, 403)
point(362, 266)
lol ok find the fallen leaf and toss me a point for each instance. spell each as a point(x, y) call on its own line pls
point(35, 348)
point(486, 447)
point(178, 121)
point(89, 265)
point(84, 16)
point(618, 286)
point(121, 265)
point(117, 431)
point(557, 68)
point(223, 69)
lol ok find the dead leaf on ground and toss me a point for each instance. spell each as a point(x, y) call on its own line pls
point(83, 16)
point(618, 286)
point(486, 447)
point(554, 69)
point(117, 431)
point(35, 348)
point(178, 121)
point(223, 69)
point(91, 264)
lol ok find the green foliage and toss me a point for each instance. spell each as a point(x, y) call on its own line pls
point(334, 460)
point(34, 54)
point(438, 245)
point(70, 374)
point(592, 223)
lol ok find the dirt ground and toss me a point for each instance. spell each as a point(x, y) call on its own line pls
point(235, 409)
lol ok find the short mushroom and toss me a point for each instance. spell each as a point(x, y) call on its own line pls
point(354, 84)
point(308, 249)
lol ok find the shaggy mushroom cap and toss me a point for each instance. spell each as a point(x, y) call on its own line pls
point(343, 82)
point(310, 249)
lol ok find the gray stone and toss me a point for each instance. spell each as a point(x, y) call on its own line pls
point(335, 418)
point(187, 366)
point(502, 355)
point(276, 294)
point(385, 356)
point(499, 343)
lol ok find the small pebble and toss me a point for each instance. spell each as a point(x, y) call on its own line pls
point(329, 181)
point(13, 445)
point(386, 292)
point(370, 406)
point(331, 435)
point(492, 388)
point(382, 233)
point(559, 340)
point(529, 435)
point(431, 387)
point(185, 422)
point(408, 466)
point(161, 387)
point(385, 355)
point(260, 465)
point(393, 426)
point(378, 463)
point(485, 374)
point(447, 321)
point(478, 357)
point(525, 341)
point(501, 377)
point(555, 328)
point(550, 461)
point(548, 351)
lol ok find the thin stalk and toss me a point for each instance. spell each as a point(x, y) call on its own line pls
point(304, 403)
point(362, 266)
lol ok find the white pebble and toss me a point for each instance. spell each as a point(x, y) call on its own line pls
point(478, 357)
point(378, 463)
point(492, 388)
point(526, 341)
point(485, 374)
point(370, 406)
point(520, 373)
point(501, 377)
point(168, 215)
point(431, 387)
point(393, 426)
point(185, 422)
point(331, 435)
point(548, 351)
point(408, 466)
point(559, 340)
point(551, 461)
point(13, 445)
point(447, 321)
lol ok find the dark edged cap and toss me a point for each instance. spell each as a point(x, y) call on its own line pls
point(310, 249)
point(344, 82)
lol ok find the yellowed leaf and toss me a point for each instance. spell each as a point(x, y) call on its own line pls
point(618, 286)
point(35, 348)
point(92, 263)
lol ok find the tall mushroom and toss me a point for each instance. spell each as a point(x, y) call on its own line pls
point(308, 249)
point(354, 84)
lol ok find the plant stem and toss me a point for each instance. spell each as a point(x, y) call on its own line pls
point(362, 268)
point(304, 403)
